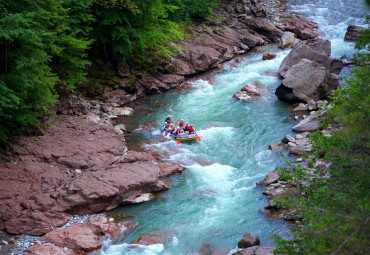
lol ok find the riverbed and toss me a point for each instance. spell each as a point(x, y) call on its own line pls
point(215, 201)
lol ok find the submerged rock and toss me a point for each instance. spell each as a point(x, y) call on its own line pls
point(268, 56)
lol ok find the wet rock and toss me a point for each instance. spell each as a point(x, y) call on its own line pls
point(248, 240)
point(249, 91)
point(77, 237)
point(276, 146)
point(300, 147)
point(273, 189)
point(121, 128)
point(159, 237)
point(272, 177)
point(268, 56)
point(287, 139)
point(287, 40)
point(168, 169)
point(353, 33)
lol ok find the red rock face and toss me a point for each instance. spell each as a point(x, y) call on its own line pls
point(79, 238)
point(268, 56)
point(75, 167)
point(304, 29)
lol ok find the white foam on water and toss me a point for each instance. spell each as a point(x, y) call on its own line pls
point(175, 241)
point(129, 249)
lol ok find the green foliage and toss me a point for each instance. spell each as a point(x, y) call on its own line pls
point(44, 42)
point(336, 205)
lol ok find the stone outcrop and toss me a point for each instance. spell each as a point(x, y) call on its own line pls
point(79, 238)
point(309, 72)
point(353, 33)
point(249, 91)
point(76, 166)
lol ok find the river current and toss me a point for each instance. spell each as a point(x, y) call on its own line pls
point(215, 201)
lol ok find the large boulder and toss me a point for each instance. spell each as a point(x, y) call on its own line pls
point(315, 50)
point(249, 240)
point(309, 72)
point(353, 33)
point(309, 124)
point(308, 80)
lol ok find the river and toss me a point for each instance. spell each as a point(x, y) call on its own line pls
point(215, 201)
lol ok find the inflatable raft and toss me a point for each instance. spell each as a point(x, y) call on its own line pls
point(181, 137)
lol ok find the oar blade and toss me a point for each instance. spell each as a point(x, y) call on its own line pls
point(178, 142)
point(198, 137)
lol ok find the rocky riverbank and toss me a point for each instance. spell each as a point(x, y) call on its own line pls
point(78, 163)
point(310, 76)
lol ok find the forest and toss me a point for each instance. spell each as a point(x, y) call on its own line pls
point(48, 46)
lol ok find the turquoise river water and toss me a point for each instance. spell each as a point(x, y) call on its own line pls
point(215, 201)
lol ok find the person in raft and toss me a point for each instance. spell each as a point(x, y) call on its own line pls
point(186, 128)
point(170, 128)
point(166, 126)
point(191, 129)
point(181, 123)
point(168, 119)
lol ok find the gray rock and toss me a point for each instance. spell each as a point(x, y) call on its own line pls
point(287, 139)
point(311, 123)
point(249, 240)
point(121, 128)
point(301, 107)
point(287, 40)
point(124, 111)
point(276, 146)
point(307, 80)
point(271, 177)
point(312, 105)
point(317, 50)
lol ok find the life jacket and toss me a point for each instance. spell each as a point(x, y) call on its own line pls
point(181, 124)
point(191, 129)
point(187, 128)
point(168, 120)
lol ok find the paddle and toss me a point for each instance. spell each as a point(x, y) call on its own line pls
point(178, 142)
point(198, 137)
